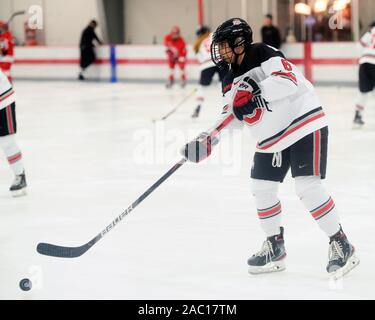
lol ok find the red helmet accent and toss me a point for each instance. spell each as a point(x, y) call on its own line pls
point(3, 25)
point(175, 29)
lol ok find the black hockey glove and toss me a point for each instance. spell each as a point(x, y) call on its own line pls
point(244, 102)
point(200, 148)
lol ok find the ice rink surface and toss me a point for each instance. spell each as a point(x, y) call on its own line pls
point(91, 149)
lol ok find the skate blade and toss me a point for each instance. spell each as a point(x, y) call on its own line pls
point(357, 126)
point(350, 265)
point(19, 193)
point(273, 266)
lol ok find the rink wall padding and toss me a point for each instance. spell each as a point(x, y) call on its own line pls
point(321, 62)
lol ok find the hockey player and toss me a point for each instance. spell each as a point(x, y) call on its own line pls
point(267, 93)
point(366, 73)
point(8, 129)
point(176, 54)
point(202, 49)
point(6, 50)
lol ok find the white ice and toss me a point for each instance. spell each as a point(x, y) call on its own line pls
point(91, 149)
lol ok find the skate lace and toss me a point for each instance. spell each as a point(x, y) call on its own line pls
point(266, 250)
point(335, 251)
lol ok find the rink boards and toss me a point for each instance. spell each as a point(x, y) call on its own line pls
point(321, 62)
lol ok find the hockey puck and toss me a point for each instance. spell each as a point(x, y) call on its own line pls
point(25, 285)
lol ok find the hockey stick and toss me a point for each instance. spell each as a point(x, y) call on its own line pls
point(178, 106)
point(17, 13)
point(68, 252)
point(75, 252)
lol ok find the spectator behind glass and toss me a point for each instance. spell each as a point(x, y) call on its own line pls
point(87, 46)
point(270, 34)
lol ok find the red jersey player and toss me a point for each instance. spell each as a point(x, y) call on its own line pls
point(6, 49)
point(176, 53)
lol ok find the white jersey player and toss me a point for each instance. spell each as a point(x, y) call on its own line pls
point(267, 93)
point(208, 69)
point(366, 73)
point(8, 129)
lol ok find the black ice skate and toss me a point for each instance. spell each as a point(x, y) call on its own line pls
point(18, 188)
point(358, 121)
point(169, 84)
point(183, 84)
point(341, 256)
point(271, 257)
point(196, 112)
point(81, 77)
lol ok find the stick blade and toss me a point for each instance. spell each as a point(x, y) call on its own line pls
point(51, 250)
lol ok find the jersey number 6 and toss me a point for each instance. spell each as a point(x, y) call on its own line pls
point(287, 65)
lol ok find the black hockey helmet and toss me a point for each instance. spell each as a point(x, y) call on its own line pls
point(202, 30)
point(236, 32)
